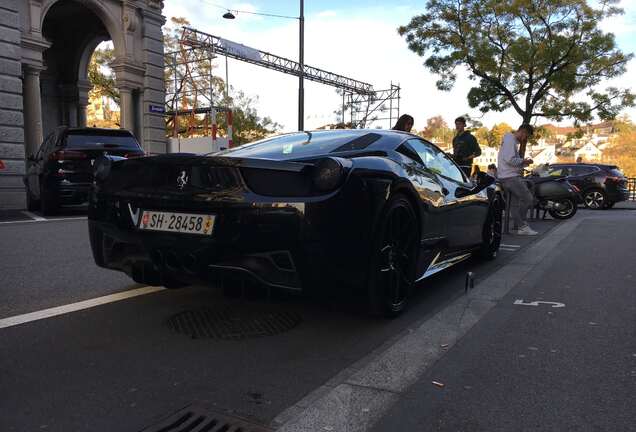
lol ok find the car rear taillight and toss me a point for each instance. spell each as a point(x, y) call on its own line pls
point(67, 155)
point(614, 179)
point(134, 155)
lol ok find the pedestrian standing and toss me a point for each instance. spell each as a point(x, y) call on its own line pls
point(465, 146)
point(404, 123)
point(510, 168)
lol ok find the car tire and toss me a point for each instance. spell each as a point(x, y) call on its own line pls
point(393, 260)
point(48, 206)
point(31, 203)
point(594, 199)
point(568, 211)
point(491, 234)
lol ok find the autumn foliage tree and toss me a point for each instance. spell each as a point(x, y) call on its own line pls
point(437, 129)
point(543, 58)
point(622, 151)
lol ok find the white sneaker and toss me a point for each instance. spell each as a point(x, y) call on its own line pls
point(526, 230)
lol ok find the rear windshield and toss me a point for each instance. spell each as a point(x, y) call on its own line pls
point(301, 144)
point(101, 141)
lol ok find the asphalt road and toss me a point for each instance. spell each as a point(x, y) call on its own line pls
point(121, 367)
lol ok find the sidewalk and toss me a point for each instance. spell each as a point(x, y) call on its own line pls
point(625, 205)
point(536, 367)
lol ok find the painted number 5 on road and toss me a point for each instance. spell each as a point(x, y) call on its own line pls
point(520, 302)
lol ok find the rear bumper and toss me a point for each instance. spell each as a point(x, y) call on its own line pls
point(292, 246)
point(152, 259)
point(64, 192)
point(618, 195)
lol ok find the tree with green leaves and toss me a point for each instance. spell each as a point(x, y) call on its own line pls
point(102, 82)
point(543, 58)
point(247, 125)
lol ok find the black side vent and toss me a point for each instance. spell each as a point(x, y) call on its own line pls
point(359, 143)
point(200, 419)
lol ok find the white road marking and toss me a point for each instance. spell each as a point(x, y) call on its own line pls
point(520, 302)
point(43, 220)
point(33, 216)
point(510, 246)
point(74, 307)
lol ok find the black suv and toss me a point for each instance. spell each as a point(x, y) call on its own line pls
point(601, 185)
point(61, 172)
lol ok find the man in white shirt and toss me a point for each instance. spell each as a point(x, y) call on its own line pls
point(510, 166)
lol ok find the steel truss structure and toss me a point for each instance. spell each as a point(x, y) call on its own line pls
point(190, 93)
point(366, 110)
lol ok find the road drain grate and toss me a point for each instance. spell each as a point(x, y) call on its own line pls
point(199, 419)
point(232, 324)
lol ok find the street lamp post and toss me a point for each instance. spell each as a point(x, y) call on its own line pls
point(301, 57)
point(301, 61)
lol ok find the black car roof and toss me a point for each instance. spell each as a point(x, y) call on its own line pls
point(93, 131)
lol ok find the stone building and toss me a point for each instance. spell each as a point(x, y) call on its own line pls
point(45, 48)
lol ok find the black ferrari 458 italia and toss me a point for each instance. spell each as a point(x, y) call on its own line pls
point(367, 209)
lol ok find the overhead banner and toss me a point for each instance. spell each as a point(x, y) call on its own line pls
point(240, 50)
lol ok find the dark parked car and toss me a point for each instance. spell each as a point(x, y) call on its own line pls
point(61, 172)
point(601, 185)
point(373, 210)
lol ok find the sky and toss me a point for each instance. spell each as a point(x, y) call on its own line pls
point(355, 38)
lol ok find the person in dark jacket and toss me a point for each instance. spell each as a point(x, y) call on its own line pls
point(465, 146)
point(404, 123)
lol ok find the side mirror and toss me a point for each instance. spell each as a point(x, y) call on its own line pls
point(483, 181)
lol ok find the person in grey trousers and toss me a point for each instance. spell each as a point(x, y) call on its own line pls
point(510, 163)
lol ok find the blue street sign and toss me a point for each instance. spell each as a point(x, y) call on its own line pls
point(159, 109)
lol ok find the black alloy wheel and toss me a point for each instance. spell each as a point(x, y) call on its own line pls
point(393, 265)
point(594, 199)
point(491, 235)
point(564, 209)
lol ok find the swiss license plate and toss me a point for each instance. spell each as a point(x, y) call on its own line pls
point(186, 223)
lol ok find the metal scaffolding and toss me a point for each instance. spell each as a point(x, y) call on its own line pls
point(372, 110)
point(191, 93)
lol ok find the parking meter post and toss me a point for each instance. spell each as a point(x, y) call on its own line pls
point(470, 281)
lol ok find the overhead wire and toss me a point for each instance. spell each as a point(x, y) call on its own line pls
point(248, 12)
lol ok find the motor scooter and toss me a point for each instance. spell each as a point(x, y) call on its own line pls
point(553, 195)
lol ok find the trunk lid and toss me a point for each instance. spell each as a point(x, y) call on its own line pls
point(208, 178)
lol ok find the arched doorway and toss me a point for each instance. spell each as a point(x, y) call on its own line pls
point(74, 31)
point(46, 47)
